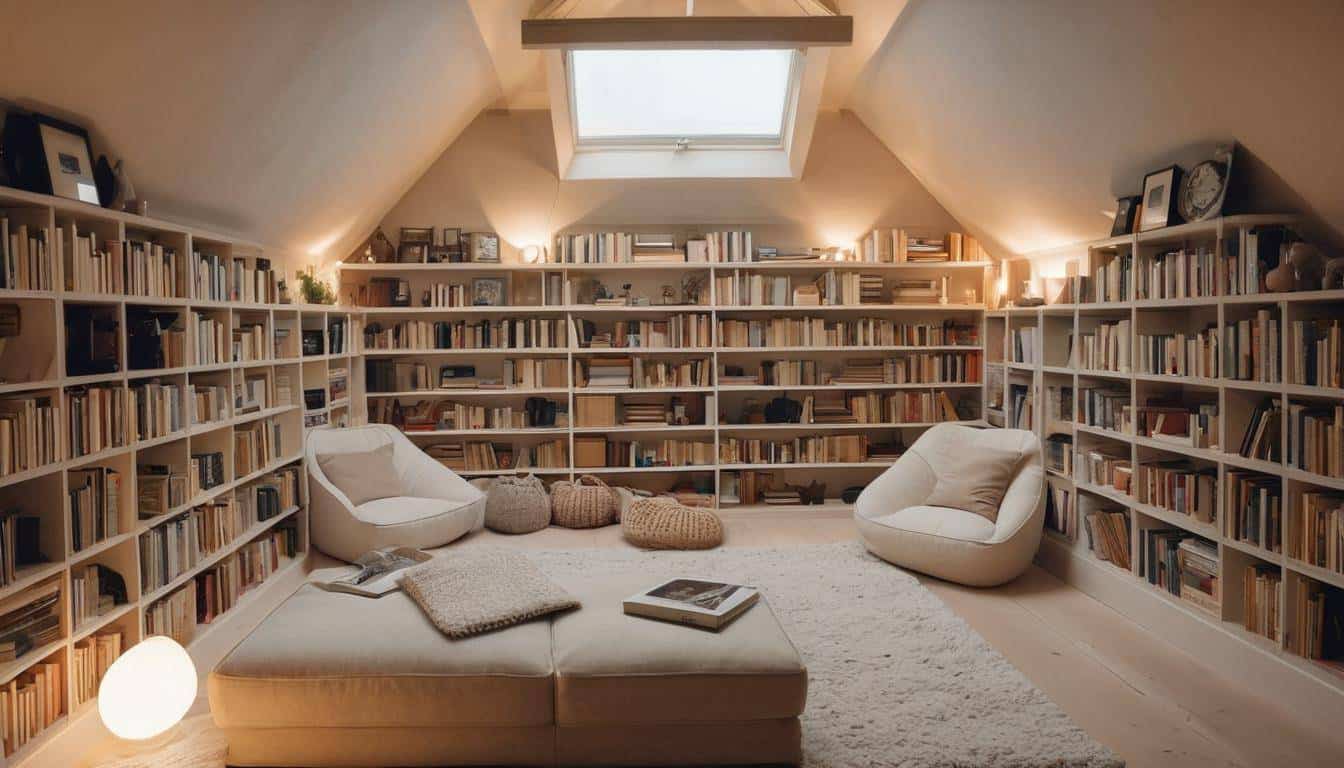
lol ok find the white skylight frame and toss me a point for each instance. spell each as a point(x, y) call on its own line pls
point(685, 140)
point(706, 159)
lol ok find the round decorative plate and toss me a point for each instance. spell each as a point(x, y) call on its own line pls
point(1202, 190)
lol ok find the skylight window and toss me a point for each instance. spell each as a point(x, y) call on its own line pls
point(663, 95)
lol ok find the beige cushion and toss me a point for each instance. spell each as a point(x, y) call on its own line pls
point(477, 591)
point(940, 521)
point(612, 668)
point(401, 510)
point(329, 660)
point(362, 475)
point(971, 478)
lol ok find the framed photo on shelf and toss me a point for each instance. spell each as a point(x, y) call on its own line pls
point(1125, 210)
point(487, 292)
point(483, 247)
point(1159, 199)
point(417, 235)
point(413, 253)
point(49, 156)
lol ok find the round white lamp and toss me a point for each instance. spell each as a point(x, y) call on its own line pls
point(142, 699)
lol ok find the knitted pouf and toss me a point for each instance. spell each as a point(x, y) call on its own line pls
point(517, 505)
point(662, 523)
point(585, 503)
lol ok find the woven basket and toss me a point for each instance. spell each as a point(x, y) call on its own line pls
point(662, 523)
point(586, 503)
point(517, 505)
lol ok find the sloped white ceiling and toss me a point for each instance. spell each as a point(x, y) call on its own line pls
point(1027, 119)
point(297, 124)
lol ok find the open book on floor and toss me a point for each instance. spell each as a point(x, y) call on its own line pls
point(378, 571)
point(708, 604)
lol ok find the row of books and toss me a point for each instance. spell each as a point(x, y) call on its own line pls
point(895, 245)
point(159, 489)
point(1193, 425)
point(157, 409)
point(20, 542)
point(1179, 354)
point(823, 332)
point(641, 373)
point(209, 403)
point(1105, 349)
point(397, 376)
point(1021, 406)
point(1108, 470)
point(211, 276)
point(1103, 407)
point(1184, 565)
point(680, 330)
point(256, 284)
point(1113, 281)
point(1024, 345)
point(29, 704)
point(206, 471)
point(175, 547)
point(1251, 349)
point(1180, 487)
point(627, 248)
point(98, 418)
point(211, 336)
point(831, 288)
point(1316, 438)
point(174, 615)
point(1178, 274)
point(123, 267)
point(219, 588)
point(94, 591)
point(256, 445)
point(25, 256)
point(270, 495)
point(95, 505)
point(1059, 404)
point(1263, 431)
point(89, 662)
point(673, 452)
point(1316, 534)
point(250, 342)
point(1317, 628)
point(799, 450)
point(521, 333)
point(1060, 513)
point(880, 408)
point(1250, 257)
point(1262, 610)
point(1059, 454)
point(1253, 509)
point(1318, 352)
point(463, 456)
point(29, 433)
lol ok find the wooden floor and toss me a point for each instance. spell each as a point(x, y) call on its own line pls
point(1142, 697)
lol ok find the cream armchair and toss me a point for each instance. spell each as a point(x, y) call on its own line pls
point(898, 526)
point(434, 507)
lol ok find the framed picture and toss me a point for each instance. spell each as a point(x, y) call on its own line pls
point(413, 253)
point(452, 237)
point(50, 156)
point(1125, 209)
point(417, 235)
point(1159, 199)
point(483, 247)
point(487, 292)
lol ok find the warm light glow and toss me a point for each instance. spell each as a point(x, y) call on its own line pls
point(147, 690)
point(533, 254)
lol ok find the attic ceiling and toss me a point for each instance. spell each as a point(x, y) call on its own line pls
point(300, 124)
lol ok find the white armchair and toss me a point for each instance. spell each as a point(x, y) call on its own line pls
point(897, 525)
point(435, 506)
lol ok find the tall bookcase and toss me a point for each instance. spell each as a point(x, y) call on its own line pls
point(33, 365)
point(562, 292)
point(1052, 331)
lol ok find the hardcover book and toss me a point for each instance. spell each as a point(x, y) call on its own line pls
point(708, 604)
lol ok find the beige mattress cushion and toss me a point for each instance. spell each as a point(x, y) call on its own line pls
point(613, 668)
point(334, 660)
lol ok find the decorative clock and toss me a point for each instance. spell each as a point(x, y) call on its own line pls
point(1204, 188)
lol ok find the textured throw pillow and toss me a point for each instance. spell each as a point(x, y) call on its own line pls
point(476, 591)
point(362, 475)
point(974, 479)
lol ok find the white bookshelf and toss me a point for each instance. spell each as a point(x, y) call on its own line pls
point(1235, 398)
point(34, 364)
point(647, 278)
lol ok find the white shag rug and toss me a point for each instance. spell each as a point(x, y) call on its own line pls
point(895, 678)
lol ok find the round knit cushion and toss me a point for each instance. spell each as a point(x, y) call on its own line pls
point(517, 505)
point(585, 503)
point(662, 523)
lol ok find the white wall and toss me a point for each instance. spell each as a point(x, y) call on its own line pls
point(1027, 119)
point(500, 175)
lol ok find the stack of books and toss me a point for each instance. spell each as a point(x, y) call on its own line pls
point(1316, 438)
point(1318, 353)
point(644, 413)
point(1108, 470)
point(1317, 532)
point(1261, 608)
point(656, 249)
point(918, 291)
point(925, 249)
point(1253, 509)
point(1059, 454)
point(1180, 487)
point(604, 372)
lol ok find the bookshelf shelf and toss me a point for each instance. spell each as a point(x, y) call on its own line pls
point(1235, 401)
